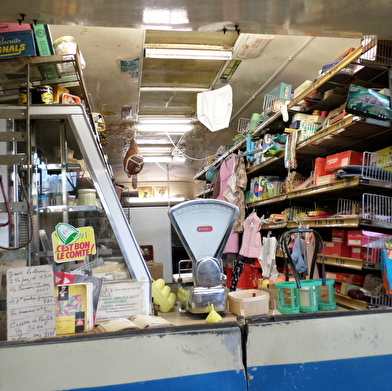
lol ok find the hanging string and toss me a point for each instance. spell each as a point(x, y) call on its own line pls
point(7, 205)
point(30, 215)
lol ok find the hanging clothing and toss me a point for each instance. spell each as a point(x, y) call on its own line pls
point(251, 238)
point(226, 171)
point(267, 258)
point(235, 193)
point(215, 184)
point(297, 255)
point(214, 108)
point(245, 272)
point(228, 261)
point(233, 243)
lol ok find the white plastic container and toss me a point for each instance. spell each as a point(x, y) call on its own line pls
point(65, 45)
point(86, 197)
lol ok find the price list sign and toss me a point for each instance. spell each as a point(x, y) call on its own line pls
point(30, 303)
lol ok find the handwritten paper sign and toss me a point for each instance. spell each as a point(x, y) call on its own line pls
point(30, 303)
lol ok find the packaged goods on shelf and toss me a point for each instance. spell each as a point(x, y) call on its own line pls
point(308, 129)
point(43, 39)
point(317, 119)
point(346, 277)
point(69, 99)
point(364, 238)
point(282, 91)
point(9, 27)
point(356, 252)
point(58, 90)
point(17, 44)
point(339, 235)
point(301, 88)
point(272, 104)
point(325, 179)
point(336, 114)
point(367, 102)
point(337, 249)
point(339, 160)
point(319, 169)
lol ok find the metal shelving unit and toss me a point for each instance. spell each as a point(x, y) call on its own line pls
point(31, 131)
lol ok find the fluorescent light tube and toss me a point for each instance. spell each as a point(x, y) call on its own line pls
point(188, 54)
point(179, 159)
point(180, 89)
point(157, 159)
point(166, 120)
point(155, 150)
point(158, 128)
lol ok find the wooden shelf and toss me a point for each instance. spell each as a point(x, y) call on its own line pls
point(349, 263)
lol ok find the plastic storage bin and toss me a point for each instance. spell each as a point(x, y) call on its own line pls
point(308, 295)
point(86, 197)
point(288, 297)
point(326, 295)
point(249, 302)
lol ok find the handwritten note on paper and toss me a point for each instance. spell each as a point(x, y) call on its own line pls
point(30, 303)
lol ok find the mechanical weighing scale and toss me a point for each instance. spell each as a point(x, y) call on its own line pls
point(204, 227)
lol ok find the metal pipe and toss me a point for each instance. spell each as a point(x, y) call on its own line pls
point(278, 71)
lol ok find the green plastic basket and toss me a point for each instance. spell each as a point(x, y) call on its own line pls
point(288, 298)
point(308, 296)
point(326, 296)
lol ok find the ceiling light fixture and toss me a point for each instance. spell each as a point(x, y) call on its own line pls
point(179, 159)
point(157, 159)
point(188, 54)
point(180, 89)
point(165, 120)
point(155, 149)
point(164, 128)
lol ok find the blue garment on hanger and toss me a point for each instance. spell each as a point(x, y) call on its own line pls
point(297, 257)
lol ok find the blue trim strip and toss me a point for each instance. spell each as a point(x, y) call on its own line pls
point(353, 374)
point(217, 381)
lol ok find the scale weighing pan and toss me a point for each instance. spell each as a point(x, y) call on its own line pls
point(204, 227)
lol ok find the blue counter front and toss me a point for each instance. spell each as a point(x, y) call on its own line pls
point(347, 351)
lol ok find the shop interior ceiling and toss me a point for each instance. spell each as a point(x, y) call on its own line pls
point(301, 35)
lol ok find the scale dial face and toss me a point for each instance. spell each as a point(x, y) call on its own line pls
point(203, 226)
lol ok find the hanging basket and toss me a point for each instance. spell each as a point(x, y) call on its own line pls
point(288, 297)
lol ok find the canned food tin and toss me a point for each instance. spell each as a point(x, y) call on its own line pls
point(43, 94)
point(22, 99)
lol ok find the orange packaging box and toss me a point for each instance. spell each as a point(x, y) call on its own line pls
point(337, 249)
point(358, 237)
point(58, 90)
point(346, 277)
point(371, 255)
point(339, 160)
point(319, 169)
point(356, 252)
point(325, 179)
point(339, 235)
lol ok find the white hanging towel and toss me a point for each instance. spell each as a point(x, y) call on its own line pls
point(267, 258)
point(214, 108)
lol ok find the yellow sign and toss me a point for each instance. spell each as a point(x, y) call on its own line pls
point(78, 249)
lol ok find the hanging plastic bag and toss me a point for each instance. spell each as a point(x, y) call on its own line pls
point(133, 160)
